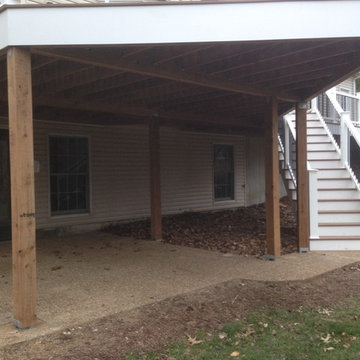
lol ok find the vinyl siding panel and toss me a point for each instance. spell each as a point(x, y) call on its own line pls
point(119, 173)
point(255, 172)
point(348, 84)
point(187, 171)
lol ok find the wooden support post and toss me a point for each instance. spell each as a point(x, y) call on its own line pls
point(155, 185)
point(303, 226)
point(273, 240)
point(22, 187)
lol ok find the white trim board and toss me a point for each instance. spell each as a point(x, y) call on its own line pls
point(156, 24)
point(334, 245)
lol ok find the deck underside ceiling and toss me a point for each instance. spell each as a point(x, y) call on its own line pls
point(203, 85)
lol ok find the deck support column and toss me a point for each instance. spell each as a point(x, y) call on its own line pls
point(22, 187)
point(155, 183)
point(303, 225)
point(273, 240)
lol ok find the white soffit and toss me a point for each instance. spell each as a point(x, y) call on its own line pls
point(144, 24)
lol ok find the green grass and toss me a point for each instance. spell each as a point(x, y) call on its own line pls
point(276, 335)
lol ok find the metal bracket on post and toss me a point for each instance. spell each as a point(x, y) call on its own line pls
point(270, 257)
point(303, 250)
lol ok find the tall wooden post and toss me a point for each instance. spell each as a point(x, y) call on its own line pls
point(303, 227)
point(273, 240)
point(22, 187)
point(155, 184)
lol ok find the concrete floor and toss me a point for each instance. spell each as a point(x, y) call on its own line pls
point(87, 276)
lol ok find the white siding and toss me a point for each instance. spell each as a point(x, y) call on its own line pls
point(187, 171)
point(255, 172)
point(348, 84)
point(119, 178)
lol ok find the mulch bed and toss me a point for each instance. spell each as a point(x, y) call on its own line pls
point(239, 231)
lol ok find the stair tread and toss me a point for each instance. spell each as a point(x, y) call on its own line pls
point(317, 134)
point(340, 168)
point(337, 238)
point(319, 142)
point(324, 159)
point(340, 224)
point(334, 178)
point(339, 211)
point(337, 200)
point(322, 151)
point(337, 189)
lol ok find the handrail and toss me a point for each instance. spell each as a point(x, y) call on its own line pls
point(293, 133)
point(345, 118)
point(347, 127)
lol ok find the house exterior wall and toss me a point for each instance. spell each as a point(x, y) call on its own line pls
point(255, 172)
point(348, 84)
point(119, 173)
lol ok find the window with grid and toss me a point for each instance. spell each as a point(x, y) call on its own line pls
point(69, 175)
point(223, 172)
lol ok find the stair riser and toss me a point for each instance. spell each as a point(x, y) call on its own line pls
point(339, 205)
point(339, 194)
point(319, 164)
point(326, 184)
point(311, 139)
point(334, 245)
point(330, 218)
point(323, 155)
point(339, 231)
point(324, 146)
point(336, 173)
point(308, 117)
point(313, 124)
point(291, 185)
point(311, 130)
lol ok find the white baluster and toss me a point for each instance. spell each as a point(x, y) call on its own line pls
point(287, 143)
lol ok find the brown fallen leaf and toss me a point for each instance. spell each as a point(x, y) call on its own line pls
point(235, 354)
point(193, 340)
point(54, 268)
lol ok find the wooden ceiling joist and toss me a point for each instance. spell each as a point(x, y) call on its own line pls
point(97, 58)
point(138, 111)
point(323, 53)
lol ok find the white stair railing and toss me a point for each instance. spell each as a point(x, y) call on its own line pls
point(347, 129)
point(289, 130)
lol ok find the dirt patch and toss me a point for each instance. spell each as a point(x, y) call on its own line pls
point(240, 231)
point(155, 325)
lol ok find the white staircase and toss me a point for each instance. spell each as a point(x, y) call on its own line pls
point(334, 189)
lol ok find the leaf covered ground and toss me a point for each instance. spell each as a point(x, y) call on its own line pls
point(240, 231)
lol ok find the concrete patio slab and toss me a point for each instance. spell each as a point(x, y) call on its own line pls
point(88, 276)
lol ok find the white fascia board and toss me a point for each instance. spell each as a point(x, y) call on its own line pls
point(106, 25)
point(3, 30)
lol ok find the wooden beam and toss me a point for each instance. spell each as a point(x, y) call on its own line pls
point(155, 185)
point(22, 186)
point(96, 58)
point(273, 240)
point(302, 179)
